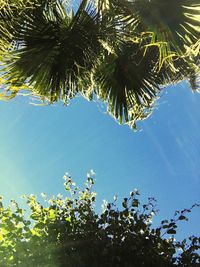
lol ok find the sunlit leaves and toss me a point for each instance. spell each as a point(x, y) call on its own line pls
point(173, 24)
point(67, 230)
point(122, 51)
point(56, 53)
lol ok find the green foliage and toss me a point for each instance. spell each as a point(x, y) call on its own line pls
point(67, 231)
point(121, 51)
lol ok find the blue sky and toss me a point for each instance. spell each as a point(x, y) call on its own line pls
point(39, 144)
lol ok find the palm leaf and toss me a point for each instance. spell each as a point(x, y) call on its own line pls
point(56, 52)
point(186, 67)
point(124, 51)
point(127, 80)
point(172, 25)
point(11, 14)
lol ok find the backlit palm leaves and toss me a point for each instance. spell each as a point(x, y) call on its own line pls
point(122, 51)
point(173, 24)
point(128, 81)
point(11, 15)
point(56, 51)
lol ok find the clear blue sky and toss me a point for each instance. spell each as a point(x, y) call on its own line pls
point(162, 159)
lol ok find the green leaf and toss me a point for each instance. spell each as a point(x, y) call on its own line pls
point(171, 231)
point(182, 217)
point(52, 214)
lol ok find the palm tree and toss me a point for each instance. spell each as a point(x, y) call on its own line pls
point(122, 51)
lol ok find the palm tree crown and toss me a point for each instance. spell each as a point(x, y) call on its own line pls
point(122, 51)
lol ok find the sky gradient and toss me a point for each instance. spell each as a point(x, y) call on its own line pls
point(39, 144)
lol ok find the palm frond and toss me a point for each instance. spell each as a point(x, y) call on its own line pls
point(185, 67)
point(173, 25)
point(128, 82)
point(194, 76)
point(194, 81)
point(122, 50)
point(11, 14)
point(56, 51)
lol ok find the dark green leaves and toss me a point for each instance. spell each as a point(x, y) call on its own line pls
point(171, 231)
point(128, 81)
point(182, 218)
point(122, 51)
point(172, 24)
point(67, 231)
point(56, 52)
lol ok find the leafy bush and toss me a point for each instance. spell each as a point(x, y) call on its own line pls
point(67, 231)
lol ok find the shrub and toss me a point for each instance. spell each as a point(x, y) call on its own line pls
point(68, 232)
